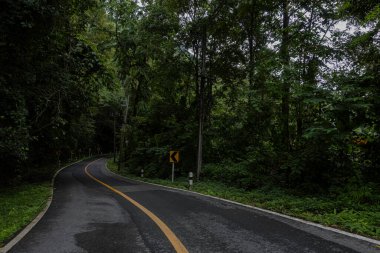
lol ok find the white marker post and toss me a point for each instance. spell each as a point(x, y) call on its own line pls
point(190, 180)
point(142, 172)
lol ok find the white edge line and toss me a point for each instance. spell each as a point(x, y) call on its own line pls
point(359, 237)
point(29, 227)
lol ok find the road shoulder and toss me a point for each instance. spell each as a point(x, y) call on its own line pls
point(39, 216)
point(333, 234)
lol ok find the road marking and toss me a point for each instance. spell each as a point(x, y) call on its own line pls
point(338, 231)
point(177, 244)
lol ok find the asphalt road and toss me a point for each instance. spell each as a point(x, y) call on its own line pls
point(86, 216)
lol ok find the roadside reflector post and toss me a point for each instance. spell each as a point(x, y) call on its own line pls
point(142, 172)
point(191, 175)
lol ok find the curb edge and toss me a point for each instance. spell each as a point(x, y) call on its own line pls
point(39, 216)
point(338, 231)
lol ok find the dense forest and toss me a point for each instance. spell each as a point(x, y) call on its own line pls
point(252, 93)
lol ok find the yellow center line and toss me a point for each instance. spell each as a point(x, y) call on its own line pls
point(177, 244)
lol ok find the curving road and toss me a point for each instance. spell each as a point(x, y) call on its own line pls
point(94, 210)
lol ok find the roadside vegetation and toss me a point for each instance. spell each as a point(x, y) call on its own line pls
point(20, 205)
point(276, 101)
point(346, 211)
point(22, 202)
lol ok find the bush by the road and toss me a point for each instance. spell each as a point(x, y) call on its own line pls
point(342, 211)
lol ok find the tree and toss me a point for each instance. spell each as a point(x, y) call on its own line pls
point(50, 78)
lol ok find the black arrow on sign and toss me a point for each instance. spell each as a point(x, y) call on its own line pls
point(173, 156)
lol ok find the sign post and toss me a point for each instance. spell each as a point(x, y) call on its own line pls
point(173, 158)
point(172, 172)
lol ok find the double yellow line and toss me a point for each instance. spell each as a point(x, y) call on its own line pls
point(177, 244)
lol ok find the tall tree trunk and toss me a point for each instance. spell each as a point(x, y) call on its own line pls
point(250, 74)
point(250, 35)
point(196, 70)
point(136, 98)
point(299, 101)
point(123, 131)
point(299, 117)
point(201, 101)
point(285, 59)
point(305, 80)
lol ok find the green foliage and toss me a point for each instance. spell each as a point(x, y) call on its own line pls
point(296, 107)
point(229, 173)
point(356, 195)
point(361, 222)
point(20, 205)
point(50, 77)
point(293, 104)
point(358, 217)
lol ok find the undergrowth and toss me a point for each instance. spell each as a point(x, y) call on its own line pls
point(338, 211)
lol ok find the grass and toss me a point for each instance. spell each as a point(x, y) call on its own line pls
point(19, 206)
point(359, 218)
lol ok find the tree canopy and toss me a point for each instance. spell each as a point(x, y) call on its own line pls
point(251, 92)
